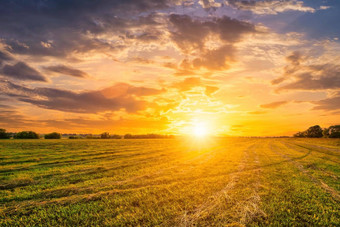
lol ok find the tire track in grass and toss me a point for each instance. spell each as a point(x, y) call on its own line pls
point(250, 208)
point(335, 195)
point(246, 209)
point(73, 191)
point(88, 194)
point(293, 146)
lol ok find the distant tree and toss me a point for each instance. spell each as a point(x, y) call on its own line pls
point(26, 135)
point(127, 136)
point(53, 135)
point(325, 132)
point(115, 136)
point(334, 131)
point(314, 132)
point(105, 135)
point(299, 134)
point(4, 134)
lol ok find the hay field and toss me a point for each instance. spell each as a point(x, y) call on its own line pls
point(170, 182)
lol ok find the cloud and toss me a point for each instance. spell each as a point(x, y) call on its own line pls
point(329, 104)
point(209, 90)
point(188, 83)
point(62, 27)
point(191, 34)
point(66, 70)
point(273, 105)
point(218, 59)
point(5, 57)
point(191, 82)
point(302, 76)
point(114, 98)
point(22, 71)
point(208, 4)
point(270, 6)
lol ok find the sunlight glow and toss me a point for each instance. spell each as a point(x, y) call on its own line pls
point(200, 130)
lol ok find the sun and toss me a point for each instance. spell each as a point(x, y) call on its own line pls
point(200, 129)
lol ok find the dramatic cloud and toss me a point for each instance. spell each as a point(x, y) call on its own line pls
point(269, 6)
point(119, 96)
point(192, 35)
point(273, 105)
point(22, 71)
point(66, 70)
point(301, 76)
point(61, 27)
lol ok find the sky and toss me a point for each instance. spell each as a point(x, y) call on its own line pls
point(238, 68)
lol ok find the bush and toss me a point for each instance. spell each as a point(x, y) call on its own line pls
point(314, 132)
point(4, 134)
point(26, 135)
point(53, 135)
point(334, 131)
point(105, 135)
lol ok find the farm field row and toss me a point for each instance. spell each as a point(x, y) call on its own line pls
point(170, 182)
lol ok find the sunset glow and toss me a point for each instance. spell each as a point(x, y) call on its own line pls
point(264, 68)
point(200, 130)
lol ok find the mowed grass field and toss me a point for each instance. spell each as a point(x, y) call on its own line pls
point(170, 182)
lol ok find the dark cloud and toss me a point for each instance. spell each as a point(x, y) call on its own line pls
point(191, 34)
point(329, 104)
point(114, 98)
point(61, 27)
point(66, 70)
point(5, 56)
point(302, 76)
point(22, 71)
point(273, 105)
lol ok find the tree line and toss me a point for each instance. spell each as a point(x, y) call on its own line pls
point(55, 135)
point(317, 132)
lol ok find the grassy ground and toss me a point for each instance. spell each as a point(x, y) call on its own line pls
point(234, 181)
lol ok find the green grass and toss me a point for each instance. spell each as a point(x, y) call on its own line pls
point(232, 181)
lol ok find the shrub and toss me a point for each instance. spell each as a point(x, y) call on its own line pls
point(105, 135)
point(4, 134)
point(53, 135)
point(334, 131)
point(26, 135)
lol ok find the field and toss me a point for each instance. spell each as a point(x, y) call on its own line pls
point(170, 182)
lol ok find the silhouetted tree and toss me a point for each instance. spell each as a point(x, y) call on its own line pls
point(334, 131)
point(105, 135)
point(314, 132)
point(53, 135)
point(115, 136)
point(26, 135)
point(300, 134)
point(325, 132)
point(4, 134)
